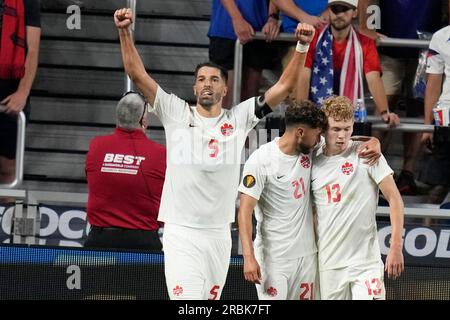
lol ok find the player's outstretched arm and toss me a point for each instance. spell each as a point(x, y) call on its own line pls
point(394, 261)
point(286, 84)
point(134, 67)
point(252, 271)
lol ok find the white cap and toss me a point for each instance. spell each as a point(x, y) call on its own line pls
point(353, 3)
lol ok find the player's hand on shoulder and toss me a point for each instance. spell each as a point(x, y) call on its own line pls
point(370, 151)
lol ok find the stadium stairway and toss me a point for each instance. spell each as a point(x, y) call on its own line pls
point(81, 78)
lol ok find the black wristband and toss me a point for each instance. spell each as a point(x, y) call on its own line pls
point(274, 15)
point(261, 107)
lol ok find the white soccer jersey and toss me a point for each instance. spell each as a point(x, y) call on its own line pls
point(439, 60)
point(203, 161)
point(345, 193)
point(281, 183)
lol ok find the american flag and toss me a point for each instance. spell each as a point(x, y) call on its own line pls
point(322, 72)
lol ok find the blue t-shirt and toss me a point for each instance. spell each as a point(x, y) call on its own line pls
point(311, 7)
point(403, 18)
point(255, 12)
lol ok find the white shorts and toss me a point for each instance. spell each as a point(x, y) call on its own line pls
point(353, 283)
point(196, 261)
point(293, 279)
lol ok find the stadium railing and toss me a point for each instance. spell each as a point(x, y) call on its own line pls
point(20, 150)
point(405, 126)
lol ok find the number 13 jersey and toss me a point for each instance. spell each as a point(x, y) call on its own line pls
point(345, 194)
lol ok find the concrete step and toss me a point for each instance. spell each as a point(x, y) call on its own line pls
point(67, 138)
point(107, 55)
point(55, 165)
point(173, 31)
point(103, 83)
point(39, 185)
point(196, 8)
point(87, 111)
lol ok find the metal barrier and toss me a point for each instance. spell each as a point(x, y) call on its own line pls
point(388, 42)
point(130, 4)
point(20, 147)
point(404, 127)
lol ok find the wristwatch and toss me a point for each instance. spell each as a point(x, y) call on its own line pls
point(274, 15)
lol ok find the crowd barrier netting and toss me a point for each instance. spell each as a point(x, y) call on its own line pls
point(48, 273)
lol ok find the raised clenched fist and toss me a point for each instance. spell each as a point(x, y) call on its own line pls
point(304, 33)
point(123, 18)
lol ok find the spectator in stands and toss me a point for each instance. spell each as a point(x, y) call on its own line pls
point(399, 66)
point(276, 179)
point(20, 34)
point(295, 11)
point(337, 59)
point(345, 195)
point(205, 144)
point(240, 19)
point(125, 173)
point(436, 171)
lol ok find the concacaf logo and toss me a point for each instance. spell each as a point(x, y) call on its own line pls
point(304, 161)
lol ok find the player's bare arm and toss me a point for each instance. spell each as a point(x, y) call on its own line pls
point(252, 270)
point(286, 84)
point(394, 261)
point(303, 84)
point(134, 67)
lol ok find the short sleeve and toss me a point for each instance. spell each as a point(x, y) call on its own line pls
point(90, 156)
point(169, 108)
point(32, 13)
point(435, 61)
point(245, 114)
point(380, 170)
point(253, 177)
point(371, 58)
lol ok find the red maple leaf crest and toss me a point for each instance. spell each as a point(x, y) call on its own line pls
point(178, 290)
point(272, 291)
point(347, 168)
point(227, 129)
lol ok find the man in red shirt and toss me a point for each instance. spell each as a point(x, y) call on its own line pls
point(125, 173)
point(337, 58)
